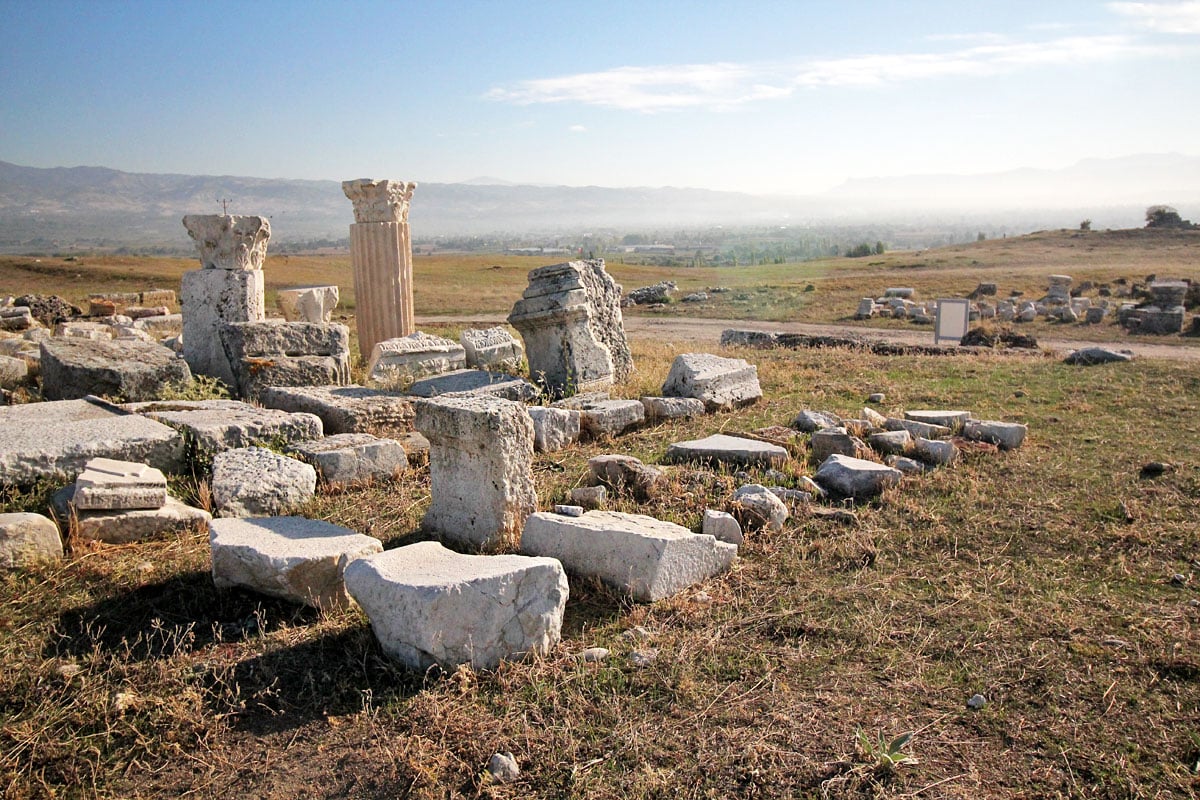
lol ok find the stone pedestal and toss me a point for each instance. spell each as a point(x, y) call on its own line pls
point(211, 298)
point(381, 256)
point(570, 318)
point(227, 288)
point(480, 468)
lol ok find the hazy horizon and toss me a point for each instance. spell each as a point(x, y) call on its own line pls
point(767, 98)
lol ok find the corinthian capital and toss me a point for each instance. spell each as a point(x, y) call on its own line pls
point(227, 241)
point(379, 201)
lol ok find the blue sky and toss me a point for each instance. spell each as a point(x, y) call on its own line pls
point(765, 97)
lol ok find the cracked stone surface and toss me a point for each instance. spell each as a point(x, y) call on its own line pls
point(431, 606)
point(254, 482)
point(720, 383)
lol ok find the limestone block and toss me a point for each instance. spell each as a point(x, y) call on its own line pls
point(625, 473)
point(13, 372)
point(159, 324)
point(346, 409)
point(722, 526)
point(874, 418)
point(828, 441)
point(720, 383)
point(16, 318)
point(414, 355)
point(258, 373)
point(143, 312)
point(648, 559)
point(570, 318)
point(480, 468)
point(254, 482)
point(431, 606)
point(808, 420)
point(279, 338)
point(227, 241)
point(297, 559)
point(756, 506)
point(108, 484)
point(1008, 435)
point(611, 417)
point(475, 381)
point(553, 428)
point(491, 347)
point(762, 340)
point(953, 420)
point(1168, 294)
point(890, 442)
point(590, 497)
point(56, 439)
point(1096, 315)
point(900, 292)
point(130, 525)
point(916, 428)
point(353, 457)
point(855, 477)
point(216, 425)
point(935, 452)
point(307, 303)
point(866, 308)
point(27, 539)
point(908, 466)
point(157, 297)
point(75, 368)
point(722, 449)
point(660, 408)
point(210, 297)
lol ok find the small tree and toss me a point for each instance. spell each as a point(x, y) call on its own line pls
point(1086, 225)
point(1165, 217)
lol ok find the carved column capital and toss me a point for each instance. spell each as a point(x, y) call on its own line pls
point(379, 201)
point(227, 241)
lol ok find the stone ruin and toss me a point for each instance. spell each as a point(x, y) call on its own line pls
point(381, 256)
point(1161, 313)
point(570, 319)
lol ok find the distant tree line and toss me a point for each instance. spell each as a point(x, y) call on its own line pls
point(1166, 217)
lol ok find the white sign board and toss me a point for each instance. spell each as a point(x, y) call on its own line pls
point(953, 318)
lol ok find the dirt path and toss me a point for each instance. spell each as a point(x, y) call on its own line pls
point(709, 331)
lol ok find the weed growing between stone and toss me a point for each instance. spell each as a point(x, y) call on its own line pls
point(1053, 580)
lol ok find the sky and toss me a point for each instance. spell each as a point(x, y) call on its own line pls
point(762, 97)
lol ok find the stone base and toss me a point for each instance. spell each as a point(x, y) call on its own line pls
point(137, 525)
point(480, 468)
point(210, 297)
point(353, 457)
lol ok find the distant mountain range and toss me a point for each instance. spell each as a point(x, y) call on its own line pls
point(94, 206)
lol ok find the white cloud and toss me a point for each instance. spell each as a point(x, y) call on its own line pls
point(723, 86)
point(577, 129)
point(1162, 17)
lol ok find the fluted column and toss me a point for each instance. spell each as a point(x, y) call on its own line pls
point(381, 256)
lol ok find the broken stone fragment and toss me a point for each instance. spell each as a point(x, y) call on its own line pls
point(297, 559)
point(720, 383)
point(431, 606)
point(645, 557)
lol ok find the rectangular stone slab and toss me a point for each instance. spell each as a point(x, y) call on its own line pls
point(725, 449)
point(346, 409)
point(131, 525)
point(107, 484)
point(294, 558)
point(217, 425)
point(647, 558)
point(429, 605)
point(475, 381)
point(56, 439)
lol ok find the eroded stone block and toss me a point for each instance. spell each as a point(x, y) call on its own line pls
point(720, 383)
point(255, 482)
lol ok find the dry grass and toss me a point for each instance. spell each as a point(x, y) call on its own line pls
point(1040, 578)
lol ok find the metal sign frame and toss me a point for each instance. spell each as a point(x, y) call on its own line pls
point(953, 320)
